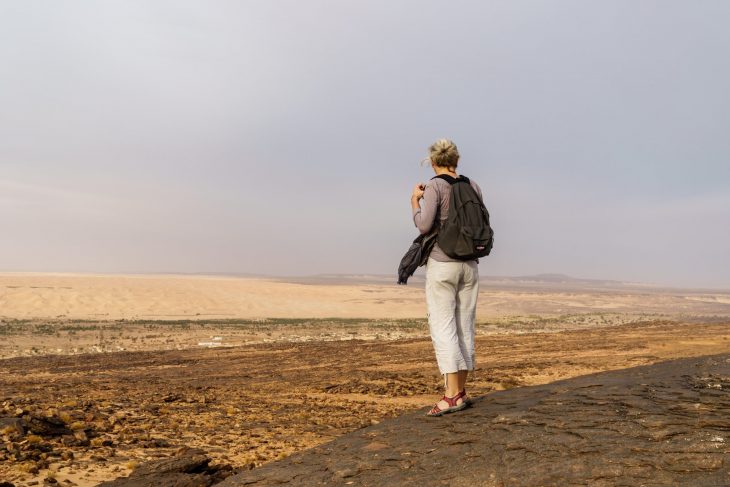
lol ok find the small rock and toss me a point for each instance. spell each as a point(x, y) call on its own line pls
point(47, 427)
point(68, 440)
point(12, 424)
point(81, 436)
point(347, 472)
point(189, 469)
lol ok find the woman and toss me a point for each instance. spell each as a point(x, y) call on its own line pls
point(452, 285)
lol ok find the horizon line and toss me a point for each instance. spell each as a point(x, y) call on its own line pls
point(546, 277)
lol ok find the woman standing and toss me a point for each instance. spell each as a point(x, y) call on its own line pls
point(452, 285)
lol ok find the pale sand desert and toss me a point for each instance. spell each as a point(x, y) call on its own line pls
point(164, 297)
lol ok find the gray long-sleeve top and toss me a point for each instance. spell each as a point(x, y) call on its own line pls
point(435, 204)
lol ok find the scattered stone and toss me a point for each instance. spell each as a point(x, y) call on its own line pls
point(190, 468)
point(31, 468)
point(155, 443)
point(172, 398)
point(346, 472)
point(69, 440)
point(80, 435)
point(47, 426)
point(15, 425)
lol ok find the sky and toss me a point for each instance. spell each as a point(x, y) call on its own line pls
point(284, 137)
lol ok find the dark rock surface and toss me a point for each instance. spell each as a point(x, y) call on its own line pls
point(662, 424)
point(50, 426)
point(188, 469)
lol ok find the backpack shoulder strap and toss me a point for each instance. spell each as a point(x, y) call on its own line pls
point(450, 179)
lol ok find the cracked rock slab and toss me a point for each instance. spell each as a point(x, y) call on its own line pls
point(662, 424)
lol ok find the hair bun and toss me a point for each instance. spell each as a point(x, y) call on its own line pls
point(444, 153)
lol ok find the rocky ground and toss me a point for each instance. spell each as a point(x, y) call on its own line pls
point(656, 425)
point(43, 336)
point(84, 419)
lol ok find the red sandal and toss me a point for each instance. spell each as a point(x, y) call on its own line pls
point(467, 399)
point(451, 401)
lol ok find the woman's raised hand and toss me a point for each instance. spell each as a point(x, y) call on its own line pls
point(418, 191)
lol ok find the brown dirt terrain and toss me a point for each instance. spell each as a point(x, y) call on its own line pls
point(82, 419)
point(36, 337)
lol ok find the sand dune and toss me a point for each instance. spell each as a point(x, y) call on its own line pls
point(98, 296)
point(81, 296)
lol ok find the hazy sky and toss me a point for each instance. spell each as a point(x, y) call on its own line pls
point(284, 137)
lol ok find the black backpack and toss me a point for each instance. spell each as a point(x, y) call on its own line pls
point(466, 233)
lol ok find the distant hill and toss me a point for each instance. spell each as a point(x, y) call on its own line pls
point(544, 280)
point(564, 279)
point(558, 280)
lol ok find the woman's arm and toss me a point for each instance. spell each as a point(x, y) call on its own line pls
point(424, 212)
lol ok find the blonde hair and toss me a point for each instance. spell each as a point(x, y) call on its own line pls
point(444, 153)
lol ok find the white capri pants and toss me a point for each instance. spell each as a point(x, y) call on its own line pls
point(451, 298)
